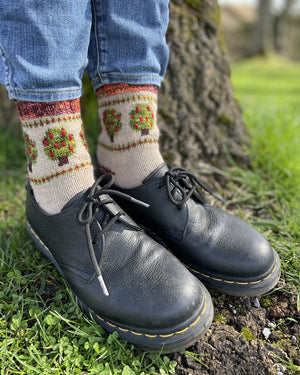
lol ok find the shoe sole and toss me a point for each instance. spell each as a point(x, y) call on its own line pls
point(164, 342)
point(232, 287)
point(241, 287)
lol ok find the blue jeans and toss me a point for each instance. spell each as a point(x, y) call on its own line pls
point(45, 46)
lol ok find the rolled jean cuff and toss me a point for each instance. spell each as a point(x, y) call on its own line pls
point(130, 79)
point(45, 96)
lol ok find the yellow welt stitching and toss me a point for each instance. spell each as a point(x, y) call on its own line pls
point(153, 336)
point(137, 333)
point(112, 325)
point(171, 334)
point(268, 276)
point(197, 320)
point(202, 311)
point(235, 282)
point(203, 274)
point(185, 329)
point(38, 238)
point(192, 269)
point(99, 317)
point(217, 279)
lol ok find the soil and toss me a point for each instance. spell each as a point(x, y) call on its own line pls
point(235, 343)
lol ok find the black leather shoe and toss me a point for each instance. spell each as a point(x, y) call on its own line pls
point(220, 249)
point(121, 277)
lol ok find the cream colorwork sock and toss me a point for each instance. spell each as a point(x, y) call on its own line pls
point(128, 141)
point(59, 164)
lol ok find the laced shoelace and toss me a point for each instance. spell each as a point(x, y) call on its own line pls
point(86, 217)
point(181, 185)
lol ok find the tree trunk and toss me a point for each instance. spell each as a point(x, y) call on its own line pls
point(8, 112)
point(279, 23)
point(262, 41)
point(198, 116)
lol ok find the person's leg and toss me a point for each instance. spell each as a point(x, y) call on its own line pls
point(44, 47)
point(128, 49)
point(218, 248)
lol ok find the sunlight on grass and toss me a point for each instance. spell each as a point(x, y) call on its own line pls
point(273, 119)
point(269, 91)
point(267, 81)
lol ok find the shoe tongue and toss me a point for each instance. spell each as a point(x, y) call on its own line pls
point(79, 199)
point(158, 172)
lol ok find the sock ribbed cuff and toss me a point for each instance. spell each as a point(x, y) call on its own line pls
point(31, 110)
point(123, 88)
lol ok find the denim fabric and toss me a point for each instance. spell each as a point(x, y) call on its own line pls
point(46, 45)
point(43, 45)
point(128, 42)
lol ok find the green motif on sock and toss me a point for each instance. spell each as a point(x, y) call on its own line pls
point(59, 145)
point(31, 151)
point(112, 122)
point(142, 118)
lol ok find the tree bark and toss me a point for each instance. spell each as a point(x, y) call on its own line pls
point(8, 112)
point(199, 118)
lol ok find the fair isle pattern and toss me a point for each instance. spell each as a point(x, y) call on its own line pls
point(33, 123)
point(59, 164)
point(135, 151)
point(59, 144)
point(128, 146)
point(129, 99)
point(112, 122)
point(46, 178)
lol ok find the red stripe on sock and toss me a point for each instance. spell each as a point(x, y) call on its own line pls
point(122, 88)
point(29, 110)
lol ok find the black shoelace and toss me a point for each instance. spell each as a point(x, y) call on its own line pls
point(182, 185)
point(86, 217)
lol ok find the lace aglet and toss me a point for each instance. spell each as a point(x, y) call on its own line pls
point(103, 286)
point(141, 203)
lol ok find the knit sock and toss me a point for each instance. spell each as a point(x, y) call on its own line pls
point(128, 140)
point(59, 164)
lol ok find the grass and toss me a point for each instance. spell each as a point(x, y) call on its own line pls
point(269, 91)
point(41, 328)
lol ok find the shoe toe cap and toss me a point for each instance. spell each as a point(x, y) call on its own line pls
point(229, 246)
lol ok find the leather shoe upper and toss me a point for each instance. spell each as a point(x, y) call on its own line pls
point(202, 236)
